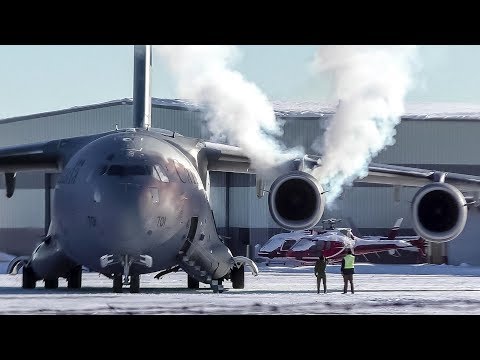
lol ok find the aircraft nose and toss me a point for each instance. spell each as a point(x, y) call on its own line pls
point(126, 217)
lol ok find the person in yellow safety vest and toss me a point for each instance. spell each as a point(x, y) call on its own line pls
point(348, 269)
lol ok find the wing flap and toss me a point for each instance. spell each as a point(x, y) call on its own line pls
point(228, 158)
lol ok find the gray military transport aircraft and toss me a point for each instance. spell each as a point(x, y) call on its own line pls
point(135, 201)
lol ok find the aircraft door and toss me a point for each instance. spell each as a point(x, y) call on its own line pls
point(191, 234)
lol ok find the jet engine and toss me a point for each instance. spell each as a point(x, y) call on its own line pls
point(439, 212)
point(296, 201)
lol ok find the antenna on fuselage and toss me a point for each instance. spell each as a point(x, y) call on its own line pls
point(142, 100)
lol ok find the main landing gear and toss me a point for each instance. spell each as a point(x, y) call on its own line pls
point(29, 279)
point(74, 278)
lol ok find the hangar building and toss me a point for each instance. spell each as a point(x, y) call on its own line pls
point(433, 136)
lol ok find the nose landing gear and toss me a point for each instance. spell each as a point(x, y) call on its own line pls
point(126, 278)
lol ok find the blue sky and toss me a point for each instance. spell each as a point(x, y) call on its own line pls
point(42, 78)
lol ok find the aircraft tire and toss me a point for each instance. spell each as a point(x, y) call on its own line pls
point(238, 277)
point(134, 284)
point(28, 278)
point(117, 283)
point(74, 278)
point(51, 284)
point(192, 283)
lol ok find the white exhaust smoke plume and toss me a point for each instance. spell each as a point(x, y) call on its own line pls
point(370, 84)
point(236, 109)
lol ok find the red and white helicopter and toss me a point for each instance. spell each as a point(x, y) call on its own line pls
point(304, 247)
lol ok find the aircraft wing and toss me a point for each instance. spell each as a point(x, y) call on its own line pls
point(38, 156)
point(49, 156)
point(232, 159)
point(407, 176)
point(44, 156)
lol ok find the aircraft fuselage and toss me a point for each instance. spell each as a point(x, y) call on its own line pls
point(135, 194)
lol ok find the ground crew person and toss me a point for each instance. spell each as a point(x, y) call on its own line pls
point(320, 273)
point(348, 269)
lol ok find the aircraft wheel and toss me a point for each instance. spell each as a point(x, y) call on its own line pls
point(51, 284)
point(117, 283)
point(134, 284)
point(74, 278)
point(192, 283)
point(28, 278)
point(238, 277)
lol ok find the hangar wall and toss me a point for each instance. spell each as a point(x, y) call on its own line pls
point(441, 143)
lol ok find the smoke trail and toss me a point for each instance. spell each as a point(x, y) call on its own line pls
point(236, 109)
point(370, 84)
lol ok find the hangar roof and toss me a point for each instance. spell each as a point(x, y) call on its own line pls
point(285, 109)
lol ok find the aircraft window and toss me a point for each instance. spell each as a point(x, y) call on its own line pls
point(121, 170)
point(303, 244)
point(320, 245)
point(288, 244)
point(272, 244)
point(159, 173)
point(98, 171)
point(327, 245)
point(181, 171)
point(116, 170)
point(102, 170)
point(192, 177)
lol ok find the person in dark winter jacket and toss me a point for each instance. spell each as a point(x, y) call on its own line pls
point(320, 273)
point(348, 269)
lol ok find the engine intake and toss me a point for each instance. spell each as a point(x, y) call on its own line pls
point(439, 213)
point(296, 201)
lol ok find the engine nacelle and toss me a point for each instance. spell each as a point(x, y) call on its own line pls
point(439, 213)
point(296, 201)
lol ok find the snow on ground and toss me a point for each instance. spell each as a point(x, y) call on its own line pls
point(380, 289)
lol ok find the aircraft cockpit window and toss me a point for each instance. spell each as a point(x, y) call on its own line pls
point(320, 244)
point(129, 170)
point(102, 170)
point(160, 174)
point(97, 172)
point(181, 171)
point(287, 244)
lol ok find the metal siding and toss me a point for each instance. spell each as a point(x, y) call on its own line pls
point(65, 125)
point(187, 123)
point(25, 209)
point(434, 142)
point(466, 247)
point(246, 210)
point(372, 207)
point(303, 132)
point(217, 203)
